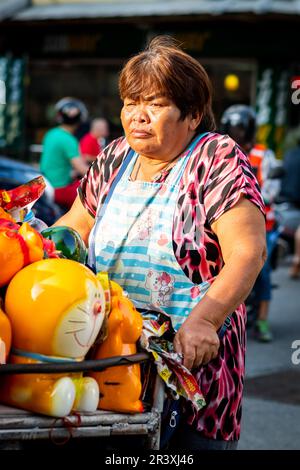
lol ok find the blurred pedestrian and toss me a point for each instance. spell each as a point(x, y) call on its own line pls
point(295, 267)
point(290, 193)
point(61, 162)
point(95, 140)
point(239, 122)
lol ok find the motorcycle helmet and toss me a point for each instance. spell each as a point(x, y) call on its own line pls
point(239, 122)
point(70, 111)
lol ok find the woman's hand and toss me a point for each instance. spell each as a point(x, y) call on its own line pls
point(197, 341)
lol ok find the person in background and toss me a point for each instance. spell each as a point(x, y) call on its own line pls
point(239, 122)
point(94, 141)
point(61, 159)
point(290, 193)
point(172, 212)
point(295, 267)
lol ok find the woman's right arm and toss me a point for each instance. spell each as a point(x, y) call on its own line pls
point(79, 219)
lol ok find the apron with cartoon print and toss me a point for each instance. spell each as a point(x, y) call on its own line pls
point(132, 241)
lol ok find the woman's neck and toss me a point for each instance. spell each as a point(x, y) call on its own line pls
point(153, 161)
point(154, 164)
point(148, 168)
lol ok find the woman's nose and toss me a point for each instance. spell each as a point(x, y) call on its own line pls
point(140, 114)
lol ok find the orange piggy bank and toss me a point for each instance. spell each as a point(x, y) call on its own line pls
point(120, 386)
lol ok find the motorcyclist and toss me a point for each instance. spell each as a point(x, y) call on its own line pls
point(61, 155)
point(239, 122)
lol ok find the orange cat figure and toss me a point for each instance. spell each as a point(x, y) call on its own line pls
point(56, 308)
point(120, 387)
point(5, 336)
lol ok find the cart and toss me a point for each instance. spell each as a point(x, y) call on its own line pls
point(18, 426)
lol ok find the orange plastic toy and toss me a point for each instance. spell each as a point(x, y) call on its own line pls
point(56, 308)
point(6, 215)
point(120, 387)
point(19, 246)
point(5, 336)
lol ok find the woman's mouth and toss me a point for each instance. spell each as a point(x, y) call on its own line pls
point(140, 134)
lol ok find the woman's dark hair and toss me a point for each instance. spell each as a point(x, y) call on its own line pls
point(163, 67)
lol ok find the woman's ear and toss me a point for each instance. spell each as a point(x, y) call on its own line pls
point(195, 120)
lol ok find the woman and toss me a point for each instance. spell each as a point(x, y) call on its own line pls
point(174, 213)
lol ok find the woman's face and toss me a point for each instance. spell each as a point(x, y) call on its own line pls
point(153, 127)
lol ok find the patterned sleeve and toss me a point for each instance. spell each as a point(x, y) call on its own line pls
point(97, 181)
point(230, 177)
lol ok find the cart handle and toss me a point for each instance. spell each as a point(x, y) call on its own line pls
point(95, 365)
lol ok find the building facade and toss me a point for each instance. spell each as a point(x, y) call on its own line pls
point(50, 49)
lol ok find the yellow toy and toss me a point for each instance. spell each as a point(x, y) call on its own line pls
point(5, 336)
point(56, 308)
point(120, 387)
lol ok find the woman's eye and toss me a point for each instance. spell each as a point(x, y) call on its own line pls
point(156, 105)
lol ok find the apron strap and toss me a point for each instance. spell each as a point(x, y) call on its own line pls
point(91, 257)
point(121, 172)
point(224, 327)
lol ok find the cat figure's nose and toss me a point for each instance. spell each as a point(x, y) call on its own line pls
point(97, 308)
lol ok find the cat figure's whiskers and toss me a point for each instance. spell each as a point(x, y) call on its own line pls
point(74, 331)
point(83, 310)
point(77, 321)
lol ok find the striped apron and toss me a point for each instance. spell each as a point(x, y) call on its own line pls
point(132, 241)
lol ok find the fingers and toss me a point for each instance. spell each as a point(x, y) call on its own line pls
point(177, 345)
point(202, 358)
point(188, 353)
point(196, 351)
point(189, 356)
point(206, 357)
point(197, 357)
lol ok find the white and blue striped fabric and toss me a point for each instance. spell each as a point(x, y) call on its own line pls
point(132, 241)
